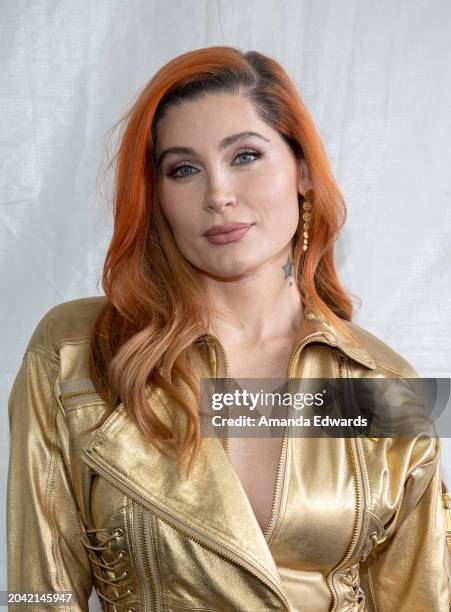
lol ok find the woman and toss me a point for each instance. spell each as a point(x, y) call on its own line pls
point(221, 265)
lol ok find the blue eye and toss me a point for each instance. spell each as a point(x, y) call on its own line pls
point(254, 153)
point(175, 172)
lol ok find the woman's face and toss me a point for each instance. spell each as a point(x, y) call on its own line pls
point(214, 173)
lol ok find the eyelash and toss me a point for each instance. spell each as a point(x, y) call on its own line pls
point(172, 172)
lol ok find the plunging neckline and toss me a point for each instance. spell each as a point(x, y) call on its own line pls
point(277, 489)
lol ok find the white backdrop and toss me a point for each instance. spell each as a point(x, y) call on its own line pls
point(376, 76)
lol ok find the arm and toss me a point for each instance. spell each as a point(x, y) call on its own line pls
point(408, 571)
point(44, 531)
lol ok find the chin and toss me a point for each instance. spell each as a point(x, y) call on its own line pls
point(237, 270)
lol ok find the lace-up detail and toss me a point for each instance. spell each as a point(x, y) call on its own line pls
point(351, 579)
point(100, 562)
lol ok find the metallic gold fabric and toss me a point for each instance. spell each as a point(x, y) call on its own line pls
point(360, 523)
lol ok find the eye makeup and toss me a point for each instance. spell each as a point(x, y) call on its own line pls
point(257, 154)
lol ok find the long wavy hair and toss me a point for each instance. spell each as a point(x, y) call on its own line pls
point(156, 312)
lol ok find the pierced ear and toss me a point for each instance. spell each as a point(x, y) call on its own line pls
point(304, 177)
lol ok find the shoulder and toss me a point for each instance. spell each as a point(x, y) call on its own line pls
point(380, 354)
point(65, 323)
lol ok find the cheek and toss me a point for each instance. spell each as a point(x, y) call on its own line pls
point(277, 198)
point(272, 185)
point(181, 224)
point(173, 209)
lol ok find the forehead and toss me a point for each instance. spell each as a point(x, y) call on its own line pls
point(207, 119)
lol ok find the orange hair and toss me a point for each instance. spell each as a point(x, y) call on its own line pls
point(156, 308)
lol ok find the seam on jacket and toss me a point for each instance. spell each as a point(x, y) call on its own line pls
point(370, 581)
point(66, 468)
point(131, 541)
point(51, 473)
point(156, 544)
point(393, 522)
point(430, 420)
point(348, 367)
point(400, 373)
point(79, 340)
point(377, 519)
point(36, 350)
point(55, 448)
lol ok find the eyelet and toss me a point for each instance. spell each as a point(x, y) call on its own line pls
point(121, 554)
point(130, 590)
point(131, 610)
point(118, 532)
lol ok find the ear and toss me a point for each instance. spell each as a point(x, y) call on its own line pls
point(304, 181)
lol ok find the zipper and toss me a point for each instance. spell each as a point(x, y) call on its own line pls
point(225, 437)
point(446, 502)
point(72, 399)
point(143, 560)
point(185, 530)
point(341, 367)
point(272, 517)
point(79, 392)
point(357, 498)
point(152, 561)
point(283, 450)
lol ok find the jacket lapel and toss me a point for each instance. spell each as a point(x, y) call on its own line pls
point(202, 506)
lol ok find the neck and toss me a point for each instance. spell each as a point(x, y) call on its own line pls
point(260, 306)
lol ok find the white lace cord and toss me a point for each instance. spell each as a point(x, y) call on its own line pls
point(105, 565)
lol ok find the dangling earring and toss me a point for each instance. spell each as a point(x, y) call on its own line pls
point(307, 206)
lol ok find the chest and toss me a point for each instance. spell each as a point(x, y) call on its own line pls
point(269, 361)
point(259, 462)
point(256, 463)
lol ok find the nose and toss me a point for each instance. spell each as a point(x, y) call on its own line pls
point(218, 195)
point(218, 205)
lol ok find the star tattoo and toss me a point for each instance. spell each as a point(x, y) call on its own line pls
point(288, 269)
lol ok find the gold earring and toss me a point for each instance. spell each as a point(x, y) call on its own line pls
point(307, 206)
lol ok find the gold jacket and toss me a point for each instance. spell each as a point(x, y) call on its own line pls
point(358, 524)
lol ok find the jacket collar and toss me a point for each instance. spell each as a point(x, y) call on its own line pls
point(220, 517)
point(315, 326)
point(315, 323)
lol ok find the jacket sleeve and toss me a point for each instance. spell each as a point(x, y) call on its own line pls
point(409, 570)
point(446, 500)
point(44, 531)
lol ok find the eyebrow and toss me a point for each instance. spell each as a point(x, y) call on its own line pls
point(225, 142)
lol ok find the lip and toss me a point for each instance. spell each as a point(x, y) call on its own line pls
point(227, 227)
point(231, 236)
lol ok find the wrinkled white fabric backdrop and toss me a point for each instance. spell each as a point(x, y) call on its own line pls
point(376, 76)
